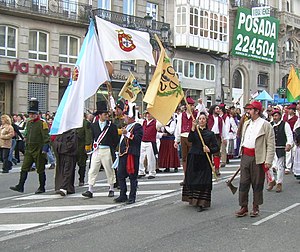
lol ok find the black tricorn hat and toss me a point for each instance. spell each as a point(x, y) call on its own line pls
point(101, 107)
point(33, 106)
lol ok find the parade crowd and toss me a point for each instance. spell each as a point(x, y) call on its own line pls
point(128, 143)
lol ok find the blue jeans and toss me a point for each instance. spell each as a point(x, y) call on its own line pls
point(12, 148)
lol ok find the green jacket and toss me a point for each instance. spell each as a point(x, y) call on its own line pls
point(37, 132)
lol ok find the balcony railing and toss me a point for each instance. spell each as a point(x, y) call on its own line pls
point(131, 22)
point(252, 3)
point(53, 8)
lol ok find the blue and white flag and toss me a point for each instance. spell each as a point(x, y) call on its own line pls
point(89, 73)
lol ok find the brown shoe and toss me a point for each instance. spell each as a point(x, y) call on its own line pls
point(242, 212)
point(279, 188)
point(255, 211)
point(271, 185)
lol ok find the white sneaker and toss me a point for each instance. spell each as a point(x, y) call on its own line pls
point(62, 192)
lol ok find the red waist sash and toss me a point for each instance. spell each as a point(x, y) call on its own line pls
point(249, 152)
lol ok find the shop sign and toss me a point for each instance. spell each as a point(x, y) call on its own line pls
point(255, 38)
point(38, 69)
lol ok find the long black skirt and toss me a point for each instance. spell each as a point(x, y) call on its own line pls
point(198, 181)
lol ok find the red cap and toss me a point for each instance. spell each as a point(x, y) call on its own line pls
point(292, 106)
point(190, 100)
point(254, 105)
point(276, 111)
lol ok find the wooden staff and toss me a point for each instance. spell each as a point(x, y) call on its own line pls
point(201, 138)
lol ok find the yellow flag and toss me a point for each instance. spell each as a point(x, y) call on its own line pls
point(293, 85)
point(130, 89)
point(164, 92)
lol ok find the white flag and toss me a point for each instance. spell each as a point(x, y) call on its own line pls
point(89, 73)
point(119, 43)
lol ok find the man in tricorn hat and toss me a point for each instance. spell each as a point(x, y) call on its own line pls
point(37, 144)
point(105, 141)
point(129, 155)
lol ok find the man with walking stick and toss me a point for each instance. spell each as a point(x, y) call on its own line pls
point(258, 149)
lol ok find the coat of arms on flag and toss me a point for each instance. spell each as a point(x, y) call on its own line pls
point(125, 41)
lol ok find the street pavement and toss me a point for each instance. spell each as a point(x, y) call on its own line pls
point(158, 221)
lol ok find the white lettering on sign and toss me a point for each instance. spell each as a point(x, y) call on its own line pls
point(263, 11)
point(258, 26)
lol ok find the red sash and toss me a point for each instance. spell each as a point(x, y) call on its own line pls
point(249, 152)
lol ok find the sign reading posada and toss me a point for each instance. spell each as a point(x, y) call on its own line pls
point(255, 38)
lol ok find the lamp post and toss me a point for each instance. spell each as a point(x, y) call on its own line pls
point(148, 19)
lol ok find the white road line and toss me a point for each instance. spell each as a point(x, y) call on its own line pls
point(84, 217)
point(18, 227)
point(54, 209)
point(95, 194)
point(141, 182)
point(169, 174)
point(275, 214)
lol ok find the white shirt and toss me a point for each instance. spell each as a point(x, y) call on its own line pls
point(252, 132)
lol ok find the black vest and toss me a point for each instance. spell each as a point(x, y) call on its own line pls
point(280, 138)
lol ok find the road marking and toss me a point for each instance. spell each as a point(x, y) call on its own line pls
point(85, 216)
point(95, 194)
point(275, 214)
point(18, 227)
point(153, 182)
point(54, 209)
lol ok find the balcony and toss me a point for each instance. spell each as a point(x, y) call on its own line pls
point(252, 3)
point(65, 11)
point(132, 22)
point(289, 19)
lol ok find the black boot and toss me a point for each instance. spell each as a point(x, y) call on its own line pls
point(20, 187)
point(133, 189)
point(42, 180)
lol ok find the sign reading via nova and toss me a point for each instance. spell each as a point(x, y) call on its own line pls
point(255, 38)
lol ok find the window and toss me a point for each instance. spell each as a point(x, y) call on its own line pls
point(194, 70)
point(181, 19)
point(262, 80)
point(204, 23)
point(289, 45)
point(223, 28)
point(178, 65)
point(194, 19)
point(237, 79)
point(69, 8)
point(8, 41)
point(128, 7)
point(40, 5)
point(152, 9)
point(39, 91)
point(38, 45)
point(104, 4)
point(68, 49)
point(213, 26)
point(210, 72)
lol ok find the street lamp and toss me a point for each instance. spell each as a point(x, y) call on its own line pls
point(148, 19)
point(165, 33)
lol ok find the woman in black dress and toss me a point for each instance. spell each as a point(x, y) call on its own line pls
point(198, 178)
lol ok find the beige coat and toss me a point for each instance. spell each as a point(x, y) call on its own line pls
point(6, 134)
point(264, 143)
